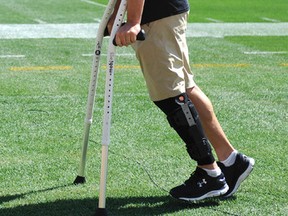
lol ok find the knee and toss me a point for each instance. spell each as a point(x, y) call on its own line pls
point(184, 118)
point(202, 104)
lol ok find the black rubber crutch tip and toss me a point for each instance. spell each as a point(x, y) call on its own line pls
point(101, 212)
point(79, 180)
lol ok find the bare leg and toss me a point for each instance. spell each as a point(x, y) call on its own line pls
point(212, 127)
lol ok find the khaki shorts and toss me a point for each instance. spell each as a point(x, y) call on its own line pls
point(163, 57)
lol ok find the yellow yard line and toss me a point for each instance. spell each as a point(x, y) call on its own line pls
point(123, 67)
point(193, 66)
point(37, 68)
point(208, 65)
point(219, 65)
point(284, 64)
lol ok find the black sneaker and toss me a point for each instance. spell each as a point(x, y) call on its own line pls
point(200, 186)
point(237, 173)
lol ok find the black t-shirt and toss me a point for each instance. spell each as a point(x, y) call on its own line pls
point(158, 9)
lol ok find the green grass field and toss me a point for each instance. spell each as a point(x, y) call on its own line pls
point(43, 96)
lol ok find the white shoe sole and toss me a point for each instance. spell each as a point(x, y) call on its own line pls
point(242, 177)
point(214, 193)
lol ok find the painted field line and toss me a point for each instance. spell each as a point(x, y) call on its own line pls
point(284, 64)
point(89, 30)
point(37, 68)
point(94, 3)
point(40, 21)
point(123, 67)
point(118, 54)
point(240, 65)
point(265, 52)
point(236, 29)
point(12, 56)
point(270, 20)
point(97, 20)
point(208, 65)
point(214, 20)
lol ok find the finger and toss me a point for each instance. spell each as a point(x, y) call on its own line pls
point(118, 40)
point(128, 40)
point(133, 38)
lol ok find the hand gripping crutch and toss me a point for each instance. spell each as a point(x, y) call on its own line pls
point(92, 90)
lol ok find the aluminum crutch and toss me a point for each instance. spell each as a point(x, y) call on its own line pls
point(92, 90)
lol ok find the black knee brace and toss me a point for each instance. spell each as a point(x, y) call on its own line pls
point(183, 117)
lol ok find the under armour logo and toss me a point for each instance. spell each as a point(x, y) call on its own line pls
point(200, 184)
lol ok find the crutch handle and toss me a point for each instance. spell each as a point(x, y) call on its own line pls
point(140, 36)
point(106, 33)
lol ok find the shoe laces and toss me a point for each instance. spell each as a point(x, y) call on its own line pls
point(194, 178)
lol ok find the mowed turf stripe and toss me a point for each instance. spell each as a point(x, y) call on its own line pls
point(89, 30)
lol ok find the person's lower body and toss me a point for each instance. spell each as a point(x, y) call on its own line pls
point(207, 180)
point(238, 168)
point(164, 61)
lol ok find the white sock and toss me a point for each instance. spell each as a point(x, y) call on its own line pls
point(214, 172)
point(231, 159)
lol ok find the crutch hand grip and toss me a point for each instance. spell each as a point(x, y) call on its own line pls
point(140, 36)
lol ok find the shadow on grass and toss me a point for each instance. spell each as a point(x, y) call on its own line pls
point(152, 205)
point(19, 196)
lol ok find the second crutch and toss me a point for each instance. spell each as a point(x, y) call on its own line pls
point(101, 210)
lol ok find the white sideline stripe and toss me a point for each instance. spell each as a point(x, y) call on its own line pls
point(40, 21)
point(97, 20)
point(269, 19)
point(12, 56)
point(89, 30)
point(265, 52)
point(214, 20)
point(237, 29)
point(94, 3)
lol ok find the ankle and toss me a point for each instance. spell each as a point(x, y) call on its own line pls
point(209, 166)
point(213, 172)
point(230, 160)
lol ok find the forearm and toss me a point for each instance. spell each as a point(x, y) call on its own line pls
point(127, 33)
point(134, 11)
